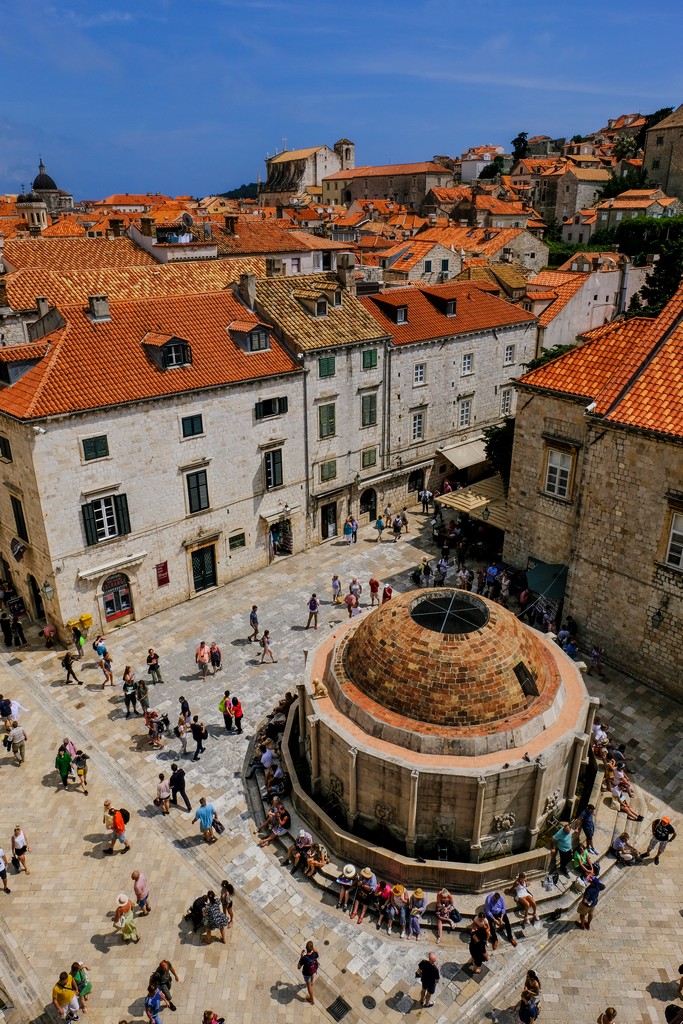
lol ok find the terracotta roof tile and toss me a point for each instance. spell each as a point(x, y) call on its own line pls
point(390, 170)
point(66, 227)
point(65, 254)
point(484, 241)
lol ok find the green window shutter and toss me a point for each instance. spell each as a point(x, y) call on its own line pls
point(88, 514)
point(283, 404)
point(258, 410)
point(122, 517)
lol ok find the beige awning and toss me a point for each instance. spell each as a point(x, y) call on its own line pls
point(486, 496)
point(466, 453)
point(276, 515)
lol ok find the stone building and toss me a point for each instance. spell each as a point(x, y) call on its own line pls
point(419, 260)
point(402, 183)
point(506, 245)
point(636, 202)
point(663, 159)
point(56, 200)
point(449, 733)
point(562, 191)
point(293, 171)
point(597, 486)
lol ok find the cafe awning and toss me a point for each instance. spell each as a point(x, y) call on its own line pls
point(486, 500)
point(278, 514)
point(465, 453)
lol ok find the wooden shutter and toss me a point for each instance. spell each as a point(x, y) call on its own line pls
point(88, 513)
point(122, 517)
point(282, 406)
point(258, 410)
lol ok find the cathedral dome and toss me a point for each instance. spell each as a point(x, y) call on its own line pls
point(43, 182)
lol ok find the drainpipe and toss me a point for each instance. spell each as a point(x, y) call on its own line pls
point(353, 788)
point(623, 289)
point(475, 848)
point(411, 831)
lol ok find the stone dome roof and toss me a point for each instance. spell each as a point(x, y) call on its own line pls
point(30, 198)
point(43, 182)
point(448, 658)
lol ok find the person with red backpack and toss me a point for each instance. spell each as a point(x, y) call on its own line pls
point(119, 820)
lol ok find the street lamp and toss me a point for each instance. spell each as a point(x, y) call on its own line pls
point(358, 480)
point(485, 514)
point(48, 591)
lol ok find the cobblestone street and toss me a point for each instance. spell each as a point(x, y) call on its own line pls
point(62, 911)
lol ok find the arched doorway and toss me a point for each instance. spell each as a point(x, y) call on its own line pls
point(368, 503)
point(36, 598)
point(416, 480)
point(116, 596)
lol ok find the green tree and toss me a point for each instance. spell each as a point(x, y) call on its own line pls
point(520, 147)
point(498, 447)
point(625, 146)
point(249, 191)
point(493, 169)
point(662, 283)
point(618, 183)
point(547, 356)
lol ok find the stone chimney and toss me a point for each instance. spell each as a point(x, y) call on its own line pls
point(116, 226)
point(247, 289)
point(98, 307)
point(231, 223)
point(147, 227)
point(432, 220)
point(274, 267)
point(42, 305)
point(346, 271)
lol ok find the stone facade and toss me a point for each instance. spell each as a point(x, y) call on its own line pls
point(663, 160)
point(404, 183)
point(293, 171)
point(563, 193)
point(612, 531)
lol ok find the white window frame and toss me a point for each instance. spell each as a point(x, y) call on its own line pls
point(106, 523)
point(419, 374)
point(464, 413)
point(558, 473)
point(674, 547)
point(509, 356)
point(506, 401)
point(467, 364)
point(417, 431)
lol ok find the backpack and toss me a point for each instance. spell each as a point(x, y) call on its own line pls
point(262, 642)
point(6, 708)
point(125, 815)
point(221, 706)
point(64, 662)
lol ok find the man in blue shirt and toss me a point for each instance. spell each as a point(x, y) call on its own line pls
point(563, 846)
point(586, 820)
point(205, 815)
point(496, 915)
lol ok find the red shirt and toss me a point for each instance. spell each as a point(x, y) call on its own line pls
point(374, 586)
point(118, 824)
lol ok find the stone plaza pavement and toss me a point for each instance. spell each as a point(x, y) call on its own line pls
point(62, 910)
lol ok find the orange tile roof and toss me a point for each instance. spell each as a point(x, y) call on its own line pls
point(560, 287)
point(64, 254)
point(97, 365)
point(484, 241)
point(134, 199)
point(390, 170)
point(452, 195)
point(476, 310)
point(631, 369)
point(256, 237)
point(409, 253)
point(66, 227)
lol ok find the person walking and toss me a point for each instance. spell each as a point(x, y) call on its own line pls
point(163, 794)
point(6, 626)
point(143, 695)
point(237, 715)
point(354, 528)
point(79, 973)
point(397, 527)
point(374, 586)
point(181, 731)
point(266, 647)
point(130, 692)
point(68, 664)
point(199, 733)
point(141, 890)
point(119, 820)
point(527, 1011)
point(205, 814)
point(65, 997)
point(163, 979)
point(379, 526)
point(225, 708)
point(18, 632)
point(4, 864)
point(185, 712)
point(663, 833)
point(177, 784)
point(428, 973)
point(227, 893)
point(313, 609)
point(253, 623)
point(309, 962)
point(336, 589)
point(404, 519)
point(213, 917)
point(479, 936)
point(202, 658)
point(153, 666)
point(16, 740)
point(496, 915)
point(80, 763)
point(216, 656)
point(562, 846)
point(63, 765)
point(20, 847)
point(153, 1001)
point(107, 666)
point(589, 902)
point(124, 921)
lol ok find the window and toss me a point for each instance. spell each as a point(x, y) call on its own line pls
point(465, 412)
point(326, 366)
point(509, 357)
point(295, 265)
point(6, 450)
point(273, 466)
point(368, 404)
point(450, 307)
point(176, 354)
point(401, 314)
point(368, 458)
point(258, 339)
point(370, 359)
point(238, 540)
point(467, 364)
point(659, 141)
point(327, 426)
point(197, 491)
point(19, 521)
point(558, 472)
point(419, 374)
point(337, 297)
point(328, 470)
point(105, 518)
point(95, 447)
point(445, 264)
point(192, 426)
point(270, 407)
point(674, 551)
point(321, 307)
point(655, 165)
point(505, 401)
point(428, 266)
point(418, 431)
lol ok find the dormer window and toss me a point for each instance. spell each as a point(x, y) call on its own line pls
point(401, 314)
point(176, 353)
point(258, 339)
point(337, 297)
point(321, 307)
point(450, 307)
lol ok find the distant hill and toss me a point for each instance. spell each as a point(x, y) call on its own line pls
point(249, 191)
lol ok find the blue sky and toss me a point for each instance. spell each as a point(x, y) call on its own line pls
point(188, 96)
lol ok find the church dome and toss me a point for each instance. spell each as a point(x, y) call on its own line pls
point(30, 198)
point(43, 182)
point(450, 659)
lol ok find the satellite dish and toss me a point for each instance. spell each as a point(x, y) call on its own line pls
point(187, 220)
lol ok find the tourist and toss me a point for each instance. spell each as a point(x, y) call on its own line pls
point(119, 820)
point(181, 730)
point(227, 893)
point(253, 623)
point(163, 979)
point(608, 1016)
point(348, 531)
point(316, 859)
point(345, 882)
point(379, 526)
point(16, 741)
point(365, 891)
point(205, 814)
point(397, 527)
point(214, 917)
point(68, 664)
point(387, 593)
point(6, 626)
point(562, 846)
point(153, 666)
point(597, 655)
point(404, 519)
point(356, 588)
point(524, 897)
point(417, 905)
point(225, 708)
point(80, 762)
point(185, 709)
point(281, 823)
point(663, 833)
point(237, 714)
point(428, 973)
point(141, 890)
point(351, 602)
point(374, 586)
point(177, 784)
point(527, 1011)
point(446, 912)
point(271, 816)
point(142, 694)
point(107, 667)
point(202, 659)
point(4, 864)
point(585, 821)
point(620, 795)
point(496, 915)
point(299, 849)
point(622, 779)
point(425, 497)
point(65, 997)
point(266, 648)
point(397, 907)
point(196, 914)
point(532, 983)
point(216, 656)
point(623, 850)
point(380, 898)
point(79, 973)
point(589, 902)
point(479, 936)
point(18, 632)
point(20, 847)
point(153, 1001)
point(582, 861)
point(63, 765)
point(387, 514)
point(308, 965)
point(354, 528)
point(313, 609)
point(336, 589)
point(199, 734)
point(163, 797)
point(130, 691)
point(124, 921)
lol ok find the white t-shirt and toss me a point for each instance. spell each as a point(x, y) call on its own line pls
point(267, 758)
